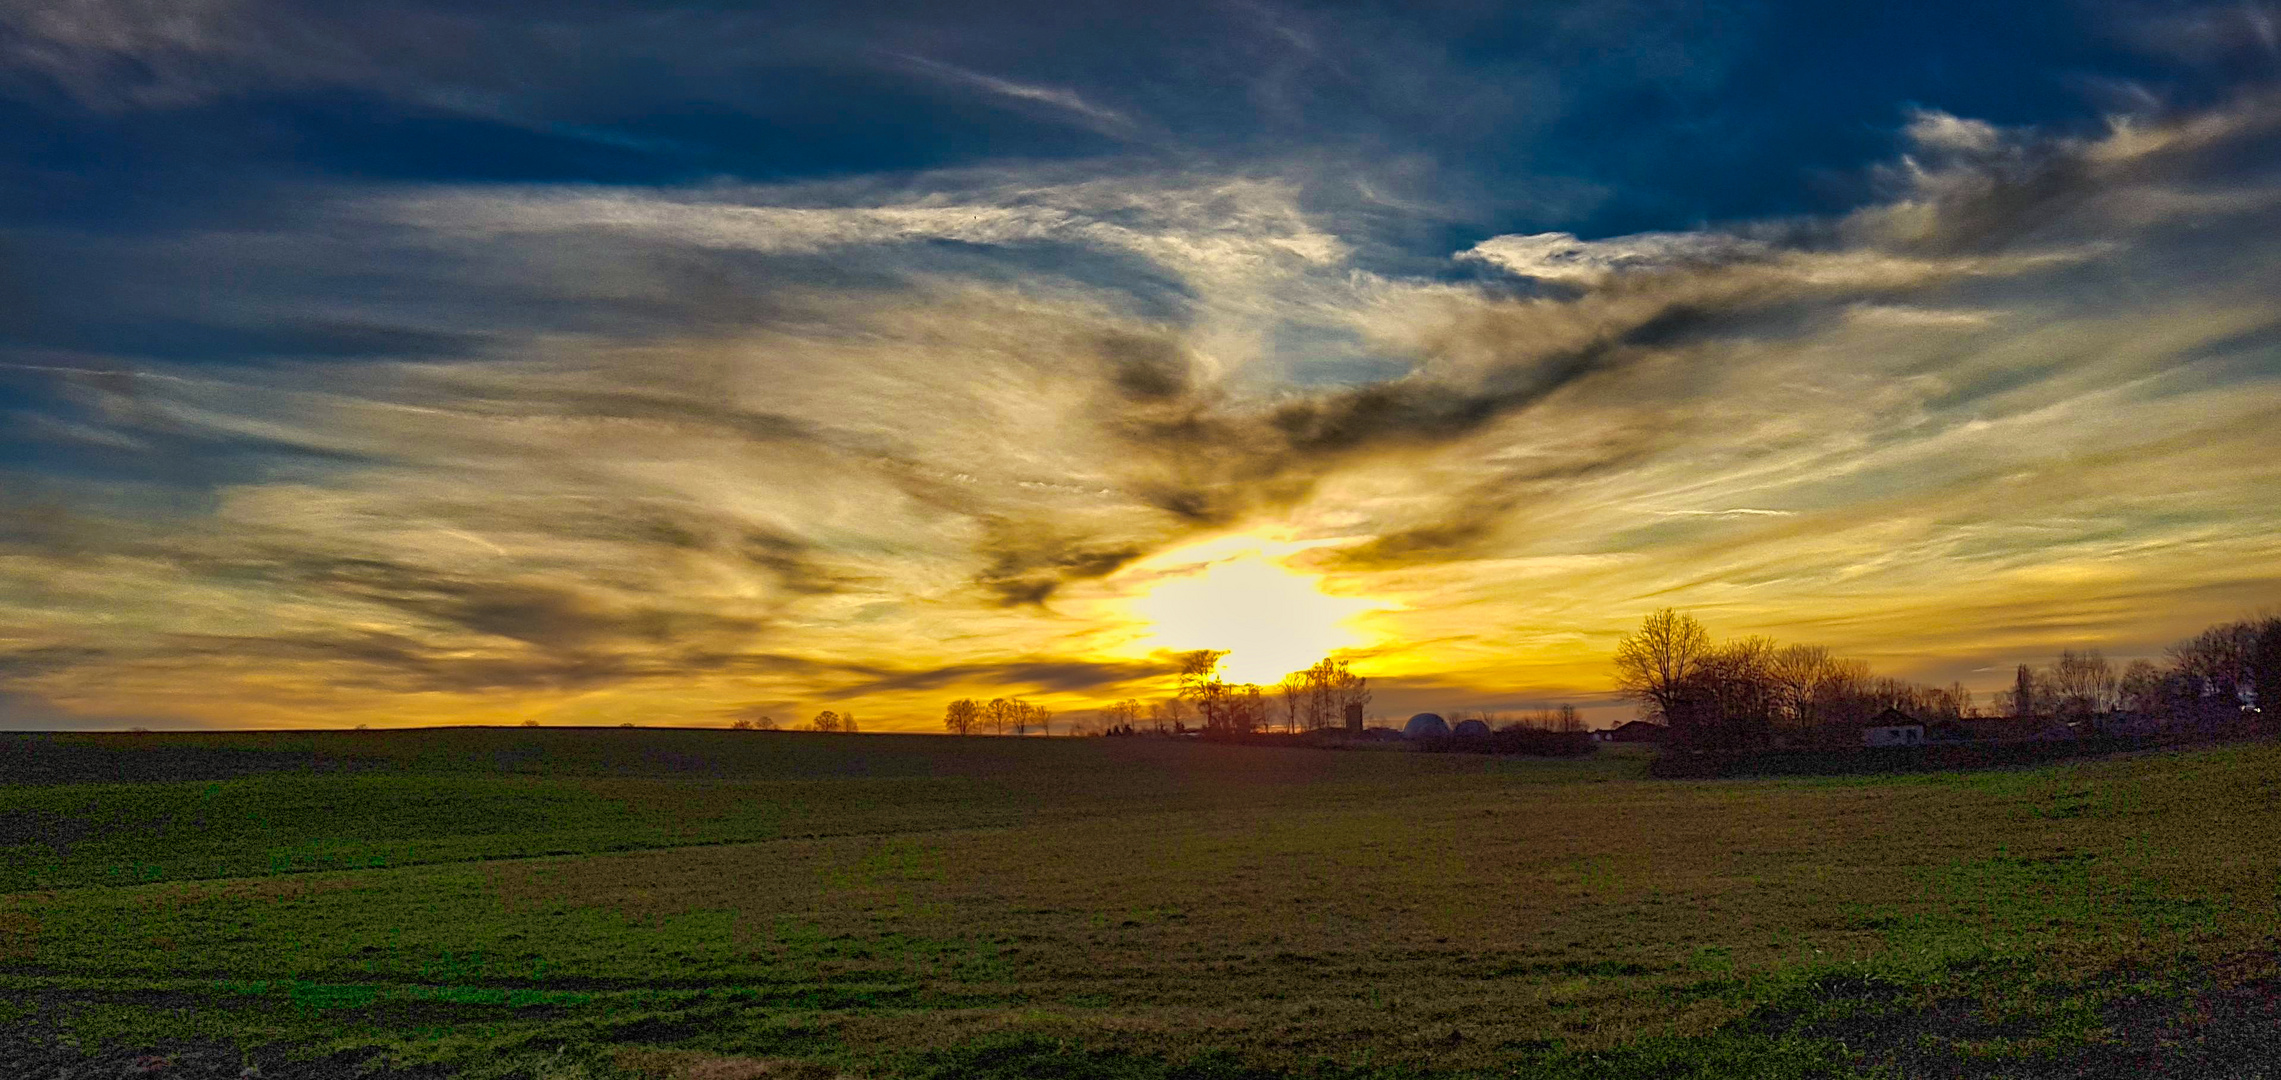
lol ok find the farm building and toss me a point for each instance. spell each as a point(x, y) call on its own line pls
point(1426, 725)
point(1892, 728)
point(1470, 729)
point(1634, 731)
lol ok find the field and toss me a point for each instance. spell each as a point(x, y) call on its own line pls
point(719, 905)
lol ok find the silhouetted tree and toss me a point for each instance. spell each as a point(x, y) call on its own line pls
point(2265, 672)
point(1121, 717)
point(1294, 691)
point(1349, 691)
point(1247, 709)
point(826, 720)
point(961, 716)
point(1655, 663)
point(2023, 692)
point(2220, 658)
point(1200, 685)
point(2084, 682)
point(2139, 689)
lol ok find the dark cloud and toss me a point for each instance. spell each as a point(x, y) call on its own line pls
point(1148, 369)
point(22, 710)
point(1029, 561)
point(1049, 676)
point(563, 361)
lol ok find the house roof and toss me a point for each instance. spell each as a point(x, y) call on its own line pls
point(1891, 718)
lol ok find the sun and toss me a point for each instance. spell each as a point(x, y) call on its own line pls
point(1232, 594)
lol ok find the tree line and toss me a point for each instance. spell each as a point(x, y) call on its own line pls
point(1309, 700)
point(999, 716)
point(1745, 691)
point(2230, 665)
point(1562, 719)
point(828, 720)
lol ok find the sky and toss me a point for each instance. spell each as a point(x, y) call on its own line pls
point(596, 363)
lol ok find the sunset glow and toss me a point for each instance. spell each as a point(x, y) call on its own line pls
point(1271, 619)
point(368, 369)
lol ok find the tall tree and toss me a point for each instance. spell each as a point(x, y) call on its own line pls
point(962, 715)
point(1294, 691)
point(1349, 692)
point(1655, 663)
point(2140, 687)
point(1201, 685)
point(2219, 658)
point(2085, 683)
point(2265, 672)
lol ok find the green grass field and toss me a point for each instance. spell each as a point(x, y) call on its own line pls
point(715, 905)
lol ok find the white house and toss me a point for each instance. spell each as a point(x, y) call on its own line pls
point(1892, 728)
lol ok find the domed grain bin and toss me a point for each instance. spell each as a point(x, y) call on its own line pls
point(1471, 729)
point(1426, 725)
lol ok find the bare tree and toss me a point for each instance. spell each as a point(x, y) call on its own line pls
point(1248, 709)
point(2085, 683)
point(1349, 692)
point(1201, 685)
point(1736, 680)
point(1121, 717)
point(961, 716)
point(999, 715)
point(1810, 684)
point(1655, 663)
point(2140, 689)
point(826, 720)
point(1174, 713)
point(2265, 672)
point(2219, 657)
point(1294, 691)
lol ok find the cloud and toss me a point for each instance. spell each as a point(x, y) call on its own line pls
point(1214, 227)
point(1910, 318)
point(1731, 512)
point(1931, 129)
point(1066, 101)
point(709, 444)
point(122, 53)
point(21, 711)
point(1561, 257)
point(1020, 676)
